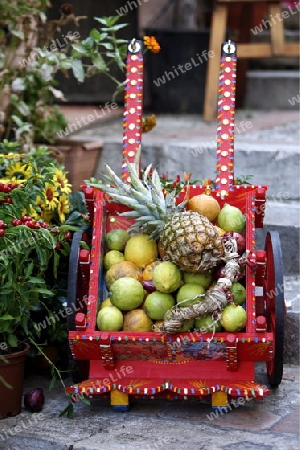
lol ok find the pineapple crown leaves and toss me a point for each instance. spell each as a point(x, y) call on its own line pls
point(150, 207)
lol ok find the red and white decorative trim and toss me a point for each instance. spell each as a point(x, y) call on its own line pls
point(133, 106)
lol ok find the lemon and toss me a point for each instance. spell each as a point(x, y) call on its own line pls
point(233, 317)
point(166, 277)
point(112, 257)
point(141, 250)
point(206, 205)
point(231, 218)
point(137, 320)
point(239, 293)
point(188, 325)
point(126, 293)
point(207, 324)
point(116, 239)
point(109, 318)
point(204, 279)
point(157, 304)
point(187, 292)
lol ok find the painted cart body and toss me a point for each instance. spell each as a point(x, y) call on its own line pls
point(190, 364)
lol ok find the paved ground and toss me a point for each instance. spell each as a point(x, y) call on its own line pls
point(270, 424)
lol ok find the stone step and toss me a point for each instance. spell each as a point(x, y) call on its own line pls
point(272, 89)
point(273, 164)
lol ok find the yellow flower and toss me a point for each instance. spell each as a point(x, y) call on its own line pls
point(7, 181)
point(151, 43)
point(60, 180)
point(18, 171)
point(47, 216)
point(40, 202)
point(50, 196)
point(63, 207)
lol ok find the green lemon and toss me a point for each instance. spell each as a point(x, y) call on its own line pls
point(157, 304)
point(190, 294)
point(126, 293)
point(204, 279)
point(116, 239)
point(166, 277)
point(109, 318)
point(112, 257)
point(239, 293)
point(233, 317)
point(207, 324)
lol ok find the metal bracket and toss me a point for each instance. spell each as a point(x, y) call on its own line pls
point(228, 48)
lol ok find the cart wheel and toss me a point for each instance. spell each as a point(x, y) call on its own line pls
point(79, 369)
point(275, 310)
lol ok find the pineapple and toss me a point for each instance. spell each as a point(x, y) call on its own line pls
point(189, 239)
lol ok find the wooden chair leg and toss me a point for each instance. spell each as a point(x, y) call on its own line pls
point(217, 36)
point(276, 30)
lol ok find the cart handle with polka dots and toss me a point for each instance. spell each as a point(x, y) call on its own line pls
point(133, 111)
point(133, 105)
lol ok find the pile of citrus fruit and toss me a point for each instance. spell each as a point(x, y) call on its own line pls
point(143, 286)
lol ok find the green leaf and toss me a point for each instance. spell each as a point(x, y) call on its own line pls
point(94, 34)
point(108, 20)
point(19, 34)
point(23, 108)
point(115, 27)
point(45, 292)
point(6, 317)
point(85, 400)
point(84, 245)
point(78, 70)
point(79, 48)
point(119, 60)
point(107, 45)
point(12, 340)
point(52, 382)
point(88, 43)
point(36, 280)
point(69, 411)
point(99, 62)
point(28, 269)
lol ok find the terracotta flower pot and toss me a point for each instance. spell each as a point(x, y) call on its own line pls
point(12, 372)
point(79, 158)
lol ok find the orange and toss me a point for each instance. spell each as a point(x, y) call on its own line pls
point(120, 270)
point(148, 271)
point(219, 230)
point(205, 205)
point(137, 320)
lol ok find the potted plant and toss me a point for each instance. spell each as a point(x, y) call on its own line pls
point(33, 51)
point(35, 233)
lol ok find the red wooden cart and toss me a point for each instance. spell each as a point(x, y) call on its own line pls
point(183, 365)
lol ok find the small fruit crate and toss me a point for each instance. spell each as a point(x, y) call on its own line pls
point(177, 365)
